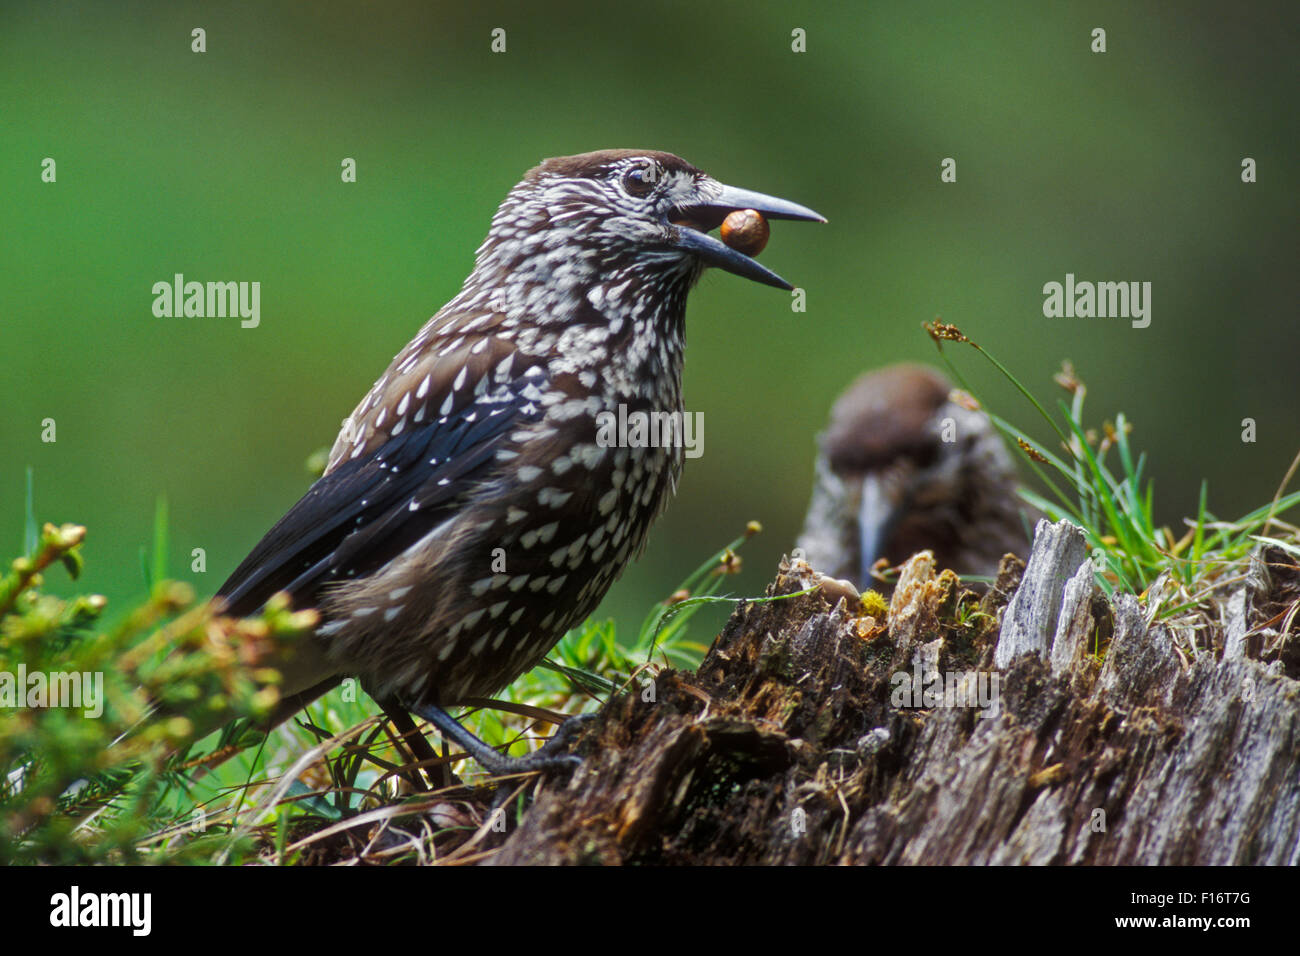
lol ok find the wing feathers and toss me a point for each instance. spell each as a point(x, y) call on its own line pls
point(370, 508)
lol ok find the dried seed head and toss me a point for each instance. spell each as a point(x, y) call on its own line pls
point(1031, 451)
point(746, 231)
point(944, 332)
point(1067, 379)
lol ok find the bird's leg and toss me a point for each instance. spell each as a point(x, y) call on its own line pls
point(547, 758)
point(438, 769)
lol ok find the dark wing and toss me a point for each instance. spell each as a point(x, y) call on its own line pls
point(374, 505)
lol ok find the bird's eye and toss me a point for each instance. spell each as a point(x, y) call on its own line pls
point(639, 181)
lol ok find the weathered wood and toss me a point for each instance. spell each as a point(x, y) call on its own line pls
point(794, 743)
point(1034, 615)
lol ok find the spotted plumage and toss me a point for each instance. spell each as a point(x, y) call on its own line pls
point(469, 515)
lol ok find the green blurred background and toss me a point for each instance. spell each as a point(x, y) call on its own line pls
point(225, 166)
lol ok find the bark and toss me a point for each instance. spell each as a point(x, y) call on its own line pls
point(1109, 740)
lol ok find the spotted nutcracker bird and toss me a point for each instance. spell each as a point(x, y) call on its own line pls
point(468, 515)
point(888, 485)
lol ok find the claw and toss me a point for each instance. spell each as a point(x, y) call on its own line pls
point(498, 763)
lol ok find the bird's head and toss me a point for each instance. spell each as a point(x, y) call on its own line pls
point(620, 214)
point(904, 467)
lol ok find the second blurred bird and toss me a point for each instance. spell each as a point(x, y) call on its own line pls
point(903, 468)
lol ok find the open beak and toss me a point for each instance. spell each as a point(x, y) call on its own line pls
point(692, 224)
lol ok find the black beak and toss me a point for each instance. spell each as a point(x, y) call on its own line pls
point(709, 215)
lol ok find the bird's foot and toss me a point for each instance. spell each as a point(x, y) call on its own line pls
point(549, 757)
point(553, 749)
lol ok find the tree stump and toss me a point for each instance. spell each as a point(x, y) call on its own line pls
point(1063, 728)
